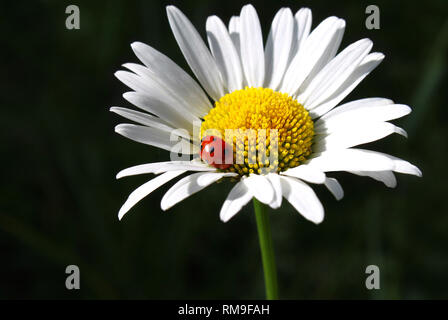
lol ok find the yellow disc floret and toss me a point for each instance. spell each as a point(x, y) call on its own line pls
point(269, 131)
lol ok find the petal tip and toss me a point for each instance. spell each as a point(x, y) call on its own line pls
point(170, 8)
point(119, 128)
point(341, 23)
point(163, 205)
point(121, 214)
point(117, 74)
point(401, 132)
point(378, 56)
point(419, 172)
point(248, 6)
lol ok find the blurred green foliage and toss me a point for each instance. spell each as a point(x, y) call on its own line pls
point(59, 198)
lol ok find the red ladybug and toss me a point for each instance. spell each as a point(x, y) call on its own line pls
point(216, 152)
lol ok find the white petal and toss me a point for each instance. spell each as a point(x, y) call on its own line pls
point(306, 173)
point(152, 136)
point(361, 160)
point(278, 194)
point(260, 187)
point(225, 54)
point(386, 177)
point(142, 118)
point(403, 166)
point(278, 47)
point(238, 197)
point(158, 167)
point(354, 134)
point(331, 77)
point(252, 53)
point(190, 185)
point(317, 50)
point(303, 199)
point(133, 81)
point(329, 54)
point(234, 32)
point(152, 97)
point(196, 53)
point(367, 65)
point(163, 108)
point(156, 88)
point(148, 120)
point(235, 35)
point(352, 160)
point(335, 188)
point(146, 189)
point(365, 103)
point(174, 77)
point(302, 27)
point(362, 114)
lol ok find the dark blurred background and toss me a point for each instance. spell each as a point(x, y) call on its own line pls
point(59, 198)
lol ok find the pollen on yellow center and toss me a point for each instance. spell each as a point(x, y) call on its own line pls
point(288, 130)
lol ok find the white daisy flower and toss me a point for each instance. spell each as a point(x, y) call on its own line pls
point(291, 86)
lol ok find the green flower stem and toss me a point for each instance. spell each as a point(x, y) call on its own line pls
point(267, 250)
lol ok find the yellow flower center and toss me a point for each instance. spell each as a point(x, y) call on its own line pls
point(268, 130)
